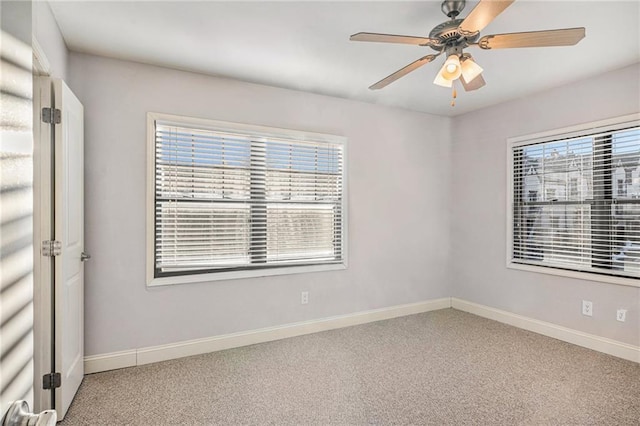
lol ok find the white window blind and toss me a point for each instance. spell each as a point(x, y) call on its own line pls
point(228, 200)
point(576, 202)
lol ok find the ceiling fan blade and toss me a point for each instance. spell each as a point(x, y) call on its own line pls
point(393, 38)
point(481, 15)
point(564, 37)
point(402, 72)
point(474, 84)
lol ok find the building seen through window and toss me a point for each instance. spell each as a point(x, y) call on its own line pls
point(577, 203)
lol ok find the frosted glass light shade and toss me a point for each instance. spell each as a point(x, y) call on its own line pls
point(441, 81)
point(451, 69)
point(470, 70)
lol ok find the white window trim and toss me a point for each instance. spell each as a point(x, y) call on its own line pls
point(566, 132)
point(253, 130)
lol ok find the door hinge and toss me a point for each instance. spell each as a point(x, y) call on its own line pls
point(51, 248)
point(51, 381)
point(51, 115)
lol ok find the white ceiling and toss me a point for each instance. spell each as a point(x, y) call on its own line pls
point(305, 45)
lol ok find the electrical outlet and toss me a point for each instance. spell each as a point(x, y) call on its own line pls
point(304, 297)
point(621, 315)
point(587, 308)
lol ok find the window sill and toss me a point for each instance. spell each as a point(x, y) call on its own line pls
point(230, 275)
point(609, 279)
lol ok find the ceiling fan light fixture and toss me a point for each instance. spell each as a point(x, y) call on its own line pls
point(470, 70)
point(441, 81)
point(451, 69)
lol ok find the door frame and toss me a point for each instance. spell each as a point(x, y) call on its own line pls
point(42, 230)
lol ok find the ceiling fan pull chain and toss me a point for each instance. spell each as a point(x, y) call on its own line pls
point(454, 95)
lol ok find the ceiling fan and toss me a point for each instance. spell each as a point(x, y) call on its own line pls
point(454, 35)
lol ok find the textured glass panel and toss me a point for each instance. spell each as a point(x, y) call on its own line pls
point(194, 235)
point(300, 232)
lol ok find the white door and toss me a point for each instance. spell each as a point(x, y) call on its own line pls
point(69, 230)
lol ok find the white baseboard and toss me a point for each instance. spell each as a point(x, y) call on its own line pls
point(597, 343)
point(110, 361)
point(141, 356)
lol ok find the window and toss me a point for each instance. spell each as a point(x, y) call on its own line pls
point(229, 200)
point(575, 200)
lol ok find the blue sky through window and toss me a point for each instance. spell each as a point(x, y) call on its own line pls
point(302, 158)
point(580, 146)
point(626, 142)
point(177, 146)
point(181, 148)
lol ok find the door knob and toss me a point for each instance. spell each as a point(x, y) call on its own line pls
point(19, 415)
point(85, 256)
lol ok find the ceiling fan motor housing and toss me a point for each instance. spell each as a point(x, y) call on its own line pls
point(449, 35)
point(452, 8)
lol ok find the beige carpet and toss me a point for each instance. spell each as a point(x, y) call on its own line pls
point(442, 367)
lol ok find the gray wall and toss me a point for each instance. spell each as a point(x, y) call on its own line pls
point(47, 33)
point(479, 190)
point(398, 168)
